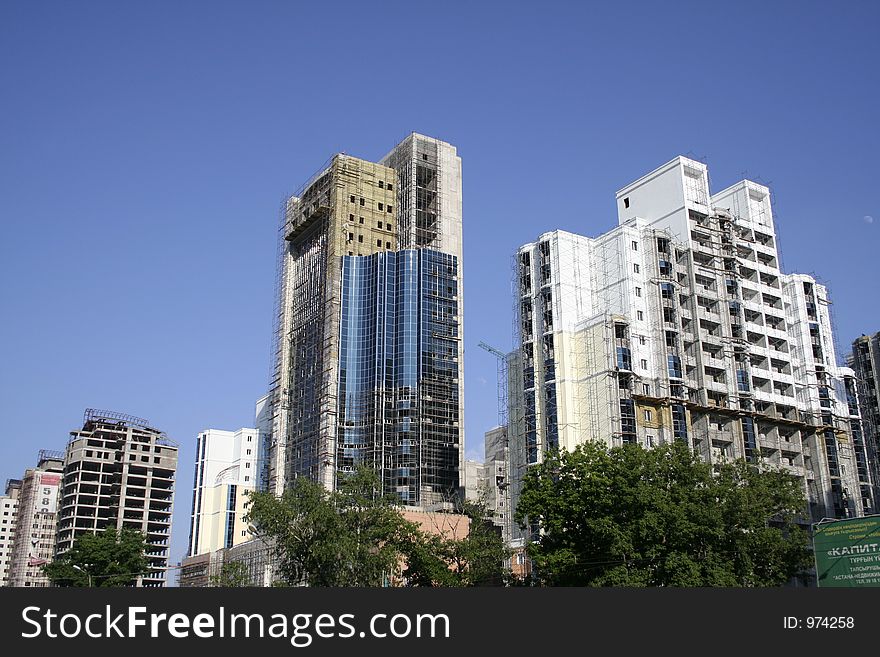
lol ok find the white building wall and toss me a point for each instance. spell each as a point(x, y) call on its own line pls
point(474, 481)
point(663, 196)
point(224, 459)
point(8, 516)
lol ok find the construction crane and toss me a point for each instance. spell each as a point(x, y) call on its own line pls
point(502, 380)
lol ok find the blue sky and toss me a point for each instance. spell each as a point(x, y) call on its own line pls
point(145, 150)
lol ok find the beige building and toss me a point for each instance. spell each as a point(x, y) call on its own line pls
point(348, 208)
point(38, 503)
point(119, 472)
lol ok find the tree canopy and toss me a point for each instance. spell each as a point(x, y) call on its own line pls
point(628, 516)
point(476, 560)
point(108, 558)
point(357, 536)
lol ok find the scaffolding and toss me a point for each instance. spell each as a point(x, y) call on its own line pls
point(352, 208)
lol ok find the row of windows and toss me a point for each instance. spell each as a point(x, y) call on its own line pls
point(382, 207)
point(379, 224)
point(145, 459)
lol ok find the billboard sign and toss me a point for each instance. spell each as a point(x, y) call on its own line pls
point(848, 552)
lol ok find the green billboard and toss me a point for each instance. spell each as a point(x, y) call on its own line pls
point(848, 552)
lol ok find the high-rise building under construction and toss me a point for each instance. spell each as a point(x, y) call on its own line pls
point(680, 325)
point(119, 473)
point(865, 361)
point(368, 325)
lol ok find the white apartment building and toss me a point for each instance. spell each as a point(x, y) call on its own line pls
point(679, 324)
point(226, 468)
point(8, 516)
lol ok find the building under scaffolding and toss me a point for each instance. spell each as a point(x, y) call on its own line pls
point(865, 361)
point(363, 241)
point(679, 325)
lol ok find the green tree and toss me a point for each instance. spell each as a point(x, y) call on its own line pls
point(233, 574)
point(349, 537)
point(475, 560)
point(108, 558)
point(661, 517)
point(357, 536)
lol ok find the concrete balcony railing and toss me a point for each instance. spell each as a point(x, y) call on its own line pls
point(715, 386)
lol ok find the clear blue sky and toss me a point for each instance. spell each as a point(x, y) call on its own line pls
point(145, 150)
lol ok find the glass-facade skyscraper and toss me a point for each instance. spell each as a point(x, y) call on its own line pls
point(398, 403)
point(368, 356)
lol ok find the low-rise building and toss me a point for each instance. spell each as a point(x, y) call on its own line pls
point(9, 510)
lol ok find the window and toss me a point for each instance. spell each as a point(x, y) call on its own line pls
point(424, 156)
point(644, 364)
point(641, 339)
point(640, 315)
point(351, 199)
point(388, 186)
point(387, 226)
point(649, 416)
point(381, 184)
point(362, 201)
point(247, 465)
point(673, 364)
point(389, 208)
point(626, 202)
point(351, 217)
point(361, 239)
point(638, 291)
point(250, 438)
point(360, 220)
point(248, 452)
point(387, 245)
point(379, 243)
point(379, 225)
point(636, 269)
point(646, 389)
point(679, 422)
point(381, 207)
point(623, 358)
point(635, 245)
point(247, 477)
point(351, 237)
